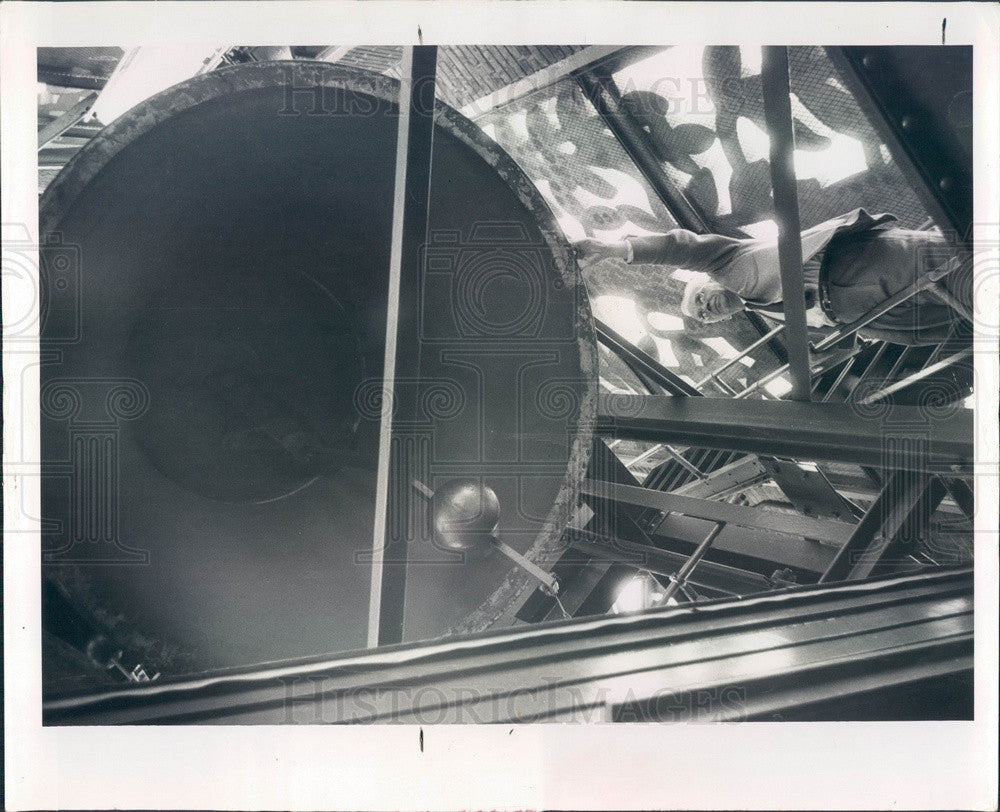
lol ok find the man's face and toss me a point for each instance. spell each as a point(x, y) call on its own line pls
point(712, 302)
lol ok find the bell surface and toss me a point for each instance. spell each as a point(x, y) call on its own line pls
point(217, 266)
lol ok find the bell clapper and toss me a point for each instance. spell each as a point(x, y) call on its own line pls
point(470, 518)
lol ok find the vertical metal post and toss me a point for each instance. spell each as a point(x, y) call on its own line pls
point(414, 146)
point(778, 114)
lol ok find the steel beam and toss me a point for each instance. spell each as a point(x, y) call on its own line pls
point(778, 114)
point(66, 121)
point(963, 497)
point(546, 77)
point(902, 503)
point(912, 115)
point(642, 362)
point(616, 518)
point(603, 94)
point(764, 339)
point(590, 587)
point(656, 559)
point(809, 491)
point(747, 548)
point(762, 326)
point(586, 588)
point(736, 476)
point(760, 518)
point(805, 431)
point(580, 575)
point(958, 306)
point(413, 179)
point(882, 634)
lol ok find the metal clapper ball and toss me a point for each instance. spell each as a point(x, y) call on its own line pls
point(466, 516)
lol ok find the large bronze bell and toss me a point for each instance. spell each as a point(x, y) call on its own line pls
point(216, 267)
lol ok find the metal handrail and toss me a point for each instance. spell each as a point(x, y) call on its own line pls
point(713, 375)
point(925, 282)
point(926, 372)
point(817, 366)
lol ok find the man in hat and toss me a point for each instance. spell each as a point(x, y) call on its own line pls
point(850, 264)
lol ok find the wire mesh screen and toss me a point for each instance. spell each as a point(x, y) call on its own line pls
point(703, 109)
point(469, 72)
point(595, 190)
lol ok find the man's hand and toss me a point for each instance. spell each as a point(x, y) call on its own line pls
point(590, 252)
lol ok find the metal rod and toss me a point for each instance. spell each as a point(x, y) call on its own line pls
point(758, 343)
point(762, 326)
point(932, 358)
point(883, 346)
point(778, 114)
point(658, 560)
point(603, 94)
point(923, 283)
point(684, 572)
point(821, 366)
point(721, 384)
point(838, 380)
point(898, 365)
point(528, 566)
point(414, 149)
point(761, 382)
point(684, 462)
point(916, 376)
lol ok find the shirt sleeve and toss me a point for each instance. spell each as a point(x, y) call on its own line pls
point(748, 267)
point(708, 253)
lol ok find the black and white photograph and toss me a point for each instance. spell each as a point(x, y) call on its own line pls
point(439, 387)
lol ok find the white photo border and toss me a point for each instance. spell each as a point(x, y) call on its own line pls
point(911, 765)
